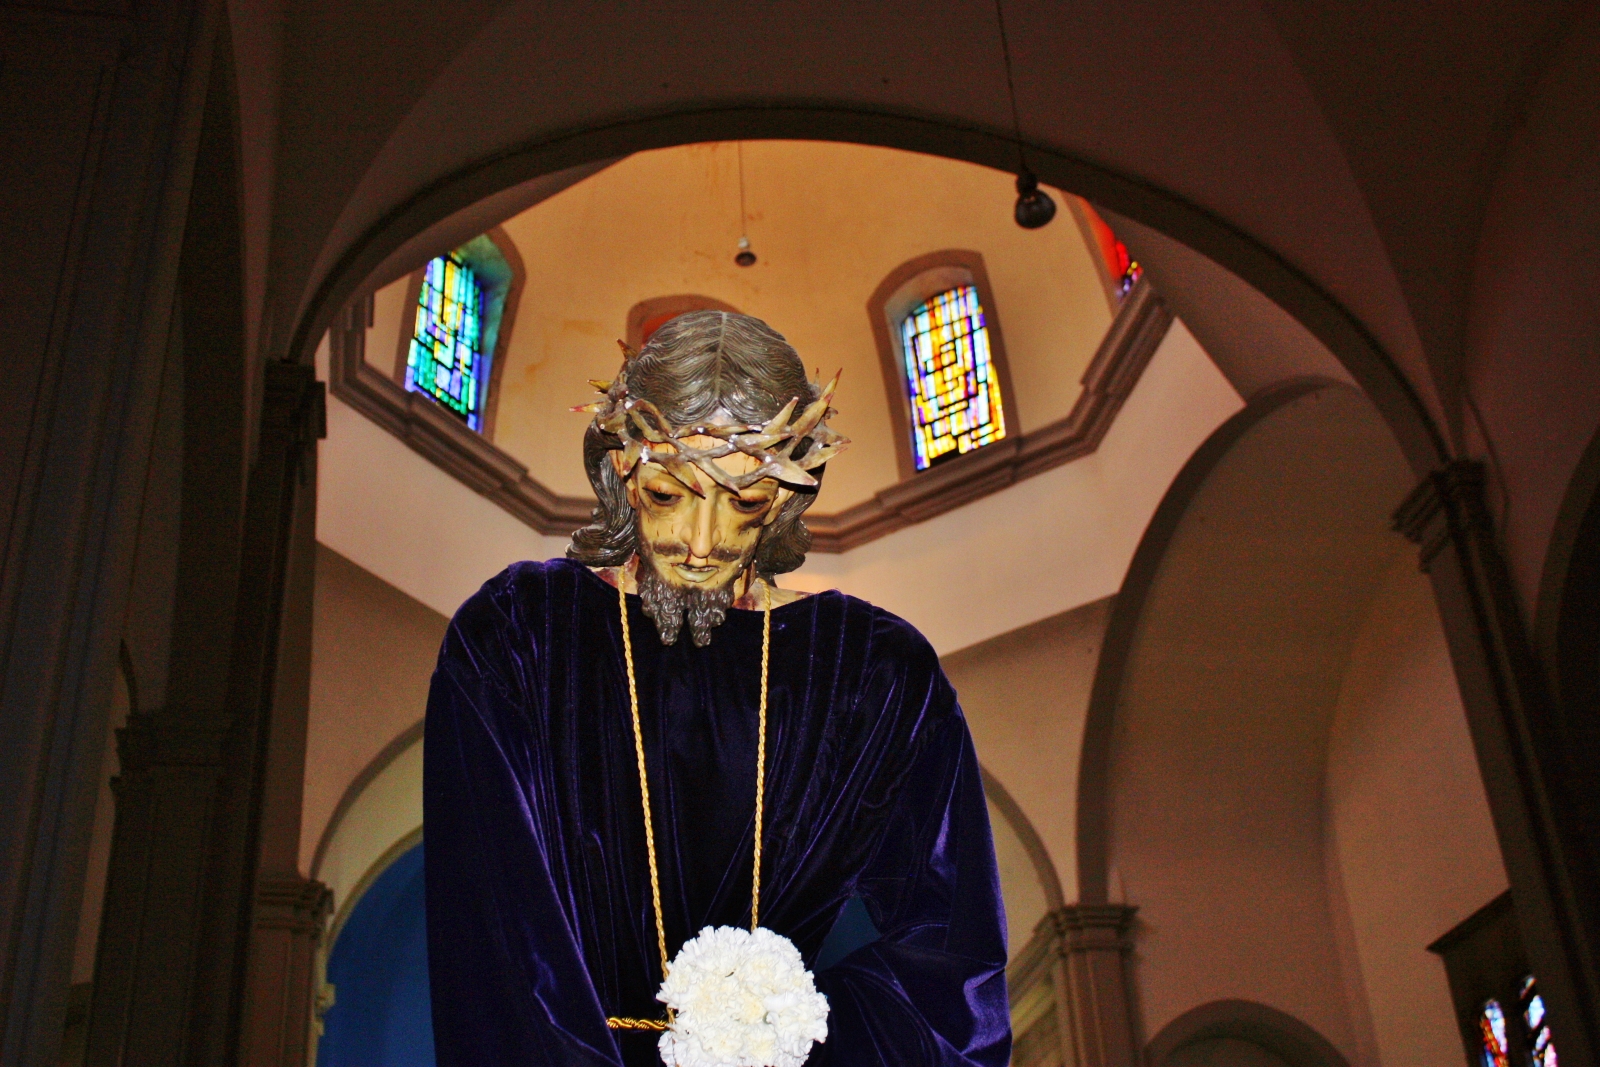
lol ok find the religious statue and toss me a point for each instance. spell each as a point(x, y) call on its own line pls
point(638, 849)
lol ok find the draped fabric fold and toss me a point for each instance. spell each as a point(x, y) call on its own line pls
point(538, 891)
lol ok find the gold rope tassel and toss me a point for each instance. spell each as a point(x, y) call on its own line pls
point(660, 1025)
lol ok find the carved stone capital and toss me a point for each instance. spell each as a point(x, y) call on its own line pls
point(1448, 505)
point(163, 746)
point(298, 905)
point(1091, 927)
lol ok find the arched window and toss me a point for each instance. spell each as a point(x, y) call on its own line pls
point(1540, 1045)
point(462, 306)
point(944, 359)
point(956, 404)
point(1492, 1032)
point(1503, 1018)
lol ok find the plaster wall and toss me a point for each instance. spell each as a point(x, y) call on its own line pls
point(666, 223)
point(1020, 891)
point(1026, 695)
point(1407, 821)
point(1033, 550)
point(1222, 718)
point(372, 654)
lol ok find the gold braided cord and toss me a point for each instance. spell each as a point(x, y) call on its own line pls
point(644, 782)
point(761, 758)
point(656, 1025)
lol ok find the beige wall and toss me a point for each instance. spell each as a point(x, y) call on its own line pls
point(1221, 724)
point(1406, 819)
point(1025, 694)
point(828, 222)
point(1020, 888)
point(385, 507)
point(372, 654)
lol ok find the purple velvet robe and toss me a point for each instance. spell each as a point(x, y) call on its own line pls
point(538, 890)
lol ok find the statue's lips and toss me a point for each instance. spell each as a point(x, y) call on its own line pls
point(697, 574)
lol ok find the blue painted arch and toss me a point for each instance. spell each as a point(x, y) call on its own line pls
point(381, 1014)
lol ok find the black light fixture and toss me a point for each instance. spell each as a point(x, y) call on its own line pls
point(1035, 208)
point(745, 257)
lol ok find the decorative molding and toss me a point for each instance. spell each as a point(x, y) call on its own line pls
point(441, 437)
point(1129, 344)
point(1447, 505)
point(1070, 999)
point(298, 905)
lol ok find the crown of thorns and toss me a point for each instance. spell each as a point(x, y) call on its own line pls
point(647, 437)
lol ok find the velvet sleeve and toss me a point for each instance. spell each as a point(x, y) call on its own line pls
point(508, 978)
point(931, 991)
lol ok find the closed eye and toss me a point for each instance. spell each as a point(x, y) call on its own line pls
point(661, 498)
point(748, 507)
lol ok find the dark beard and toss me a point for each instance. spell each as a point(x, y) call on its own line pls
point(667, 605)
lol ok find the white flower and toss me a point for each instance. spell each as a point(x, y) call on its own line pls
point(741, 999)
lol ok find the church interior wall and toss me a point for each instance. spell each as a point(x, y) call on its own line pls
point(1026, 694)
point(1407, 823)
point(373, 650)
point(1421, 171)
point(391, 511)
point(1221, 729)
point(1531, 368)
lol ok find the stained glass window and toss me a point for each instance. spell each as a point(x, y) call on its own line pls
point(1492, 1032)
point(1541, 1050)
point(446, 361)
point(1125, 268)
point(955, 393)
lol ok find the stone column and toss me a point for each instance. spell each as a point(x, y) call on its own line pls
point(185, 902)
point(1093, 945)
point(290, 916)
point(101, 103)
point(1538, 784)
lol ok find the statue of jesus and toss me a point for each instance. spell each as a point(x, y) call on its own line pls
point(601, 794)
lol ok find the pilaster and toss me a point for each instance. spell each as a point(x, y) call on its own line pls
point(1534, 781)
point(291, 914)
point(1070, 1000)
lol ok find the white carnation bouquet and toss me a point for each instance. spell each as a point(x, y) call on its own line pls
point(741, 998)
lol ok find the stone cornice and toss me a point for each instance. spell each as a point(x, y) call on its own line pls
point(1127, 348)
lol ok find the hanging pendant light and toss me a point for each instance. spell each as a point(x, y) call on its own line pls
point(745, 257)
point(1035, 207)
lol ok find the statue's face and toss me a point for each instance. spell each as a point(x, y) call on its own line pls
point(707, 540)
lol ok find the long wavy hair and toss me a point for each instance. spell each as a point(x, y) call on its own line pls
point(702, 365)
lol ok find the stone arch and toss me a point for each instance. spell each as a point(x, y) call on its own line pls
point(1038, 854)
point(1374, 368)
point(1093, 814)
point(1279, 1034)
point(1202, 782)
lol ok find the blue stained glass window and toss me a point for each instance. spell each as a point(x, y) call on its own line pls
point(955, 392)
point(1492, 1032)
point(1541, 1049)
point(445, 361)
